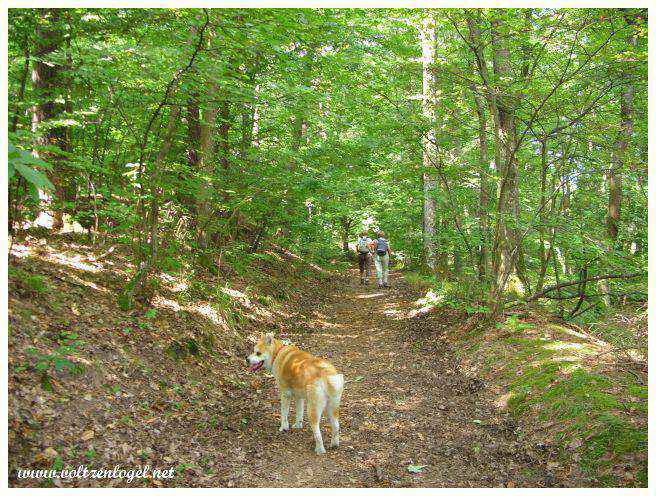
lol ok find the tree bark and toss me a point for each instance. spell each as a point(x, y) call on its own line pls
point(148, 264)
point(23, 84)
point(347, 228)
point(542, 252)
point(429, 148)
point(193, 130)
point(617, 166)
point(47, 84)
point(224, 133)
point(506, 240)
point(484, 198)
point(619, 159)
point(206, 166)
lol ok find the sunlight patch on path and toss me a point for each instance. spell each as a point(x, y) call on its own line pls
point(363, 296)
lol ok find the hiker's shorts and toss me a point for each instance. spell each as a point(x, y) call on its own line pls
point(364, 263)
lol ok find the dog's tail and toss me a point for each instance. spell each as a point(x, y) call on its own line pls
point(335, 388)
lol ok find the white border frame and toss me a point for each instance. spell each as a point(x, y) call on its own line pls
point(332, 4)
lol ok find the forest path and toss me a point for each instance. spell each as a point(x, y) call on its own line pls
point(403, 407)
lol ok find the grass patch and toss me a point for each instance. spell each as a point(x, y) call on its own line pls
point(590, 408)
point(564, 389)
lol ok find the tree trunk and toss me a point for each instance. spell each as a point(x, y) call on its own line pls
point(506, 241)
point(23, 84)
point(14, 198)
point(206, 167)
point(224, 133)
point(193, 130)
point(544, 256)
point(256, 118)
point(491, 97)
point(154, 181)
point(617, 166)
point(429, 155)
point(347, 227)
point(484, 198)
point(148, 264)
point(47, 85)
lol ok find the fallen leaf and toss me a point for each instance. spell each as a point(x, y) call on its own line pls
point(48, 454)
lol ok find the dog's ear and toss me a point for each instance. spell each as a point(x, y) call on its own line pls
point(268, 338)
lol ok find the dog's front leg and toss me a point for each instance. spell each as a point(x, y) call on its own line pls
point(300, 405)
point(285, 402)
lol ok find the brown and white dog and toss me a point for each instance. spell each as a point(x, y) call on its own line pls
point(305, 378)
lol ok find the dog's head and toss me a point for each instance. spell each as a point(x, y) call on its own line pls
point(262, 353)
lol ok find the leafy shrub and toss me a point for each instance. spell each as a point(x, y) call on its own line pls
point(58, 359)
point(33, 284)
point(36, 284)
point(513, 324)
point(22, 162)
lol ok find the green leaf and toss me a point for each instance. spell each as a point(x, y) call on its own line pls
point(416, 469)
point(37, 178)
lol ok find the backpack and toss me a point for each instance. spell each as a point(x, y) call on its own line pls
point(381, 246)
point(363, 246)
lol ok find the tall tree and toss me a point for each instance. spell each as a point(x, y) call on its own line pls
point(48, 85)
point(429, 140)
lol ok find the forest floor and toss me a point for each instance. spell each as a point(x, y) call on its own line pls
point(166, 385)
point(410, 418)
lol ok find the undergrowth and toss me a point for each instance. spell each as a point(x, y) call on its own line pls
point(593, 410)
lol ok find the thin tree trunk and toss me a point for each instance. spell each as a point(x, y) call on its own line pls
point(224, 133)
point(483, 222)
point(347, 226)
point(544, 258)
point(476, 45)
point(206, 167)
point(256, 118)
point(147, 265)
point(193, 130)
point(617, 166)
point(429, 155)
point(248, 112)
point(23, 84)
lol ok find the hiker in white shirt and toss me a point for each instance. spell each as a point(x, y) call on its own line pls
point(363, 248)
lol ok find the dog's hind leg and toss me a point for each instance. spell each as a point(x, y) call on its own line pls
point(335, 390)
point(316, 399)
point(285, 402)
point(333, 416)
point(300, 406)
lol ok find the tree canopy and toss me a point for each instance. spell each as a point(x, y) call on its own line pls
point(503, 148)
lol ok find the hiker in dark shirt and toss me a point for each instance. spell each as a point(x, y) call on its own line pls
point(382, 254)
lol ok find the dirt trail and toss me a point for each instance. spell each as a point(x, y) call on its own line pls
point(403, 406)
